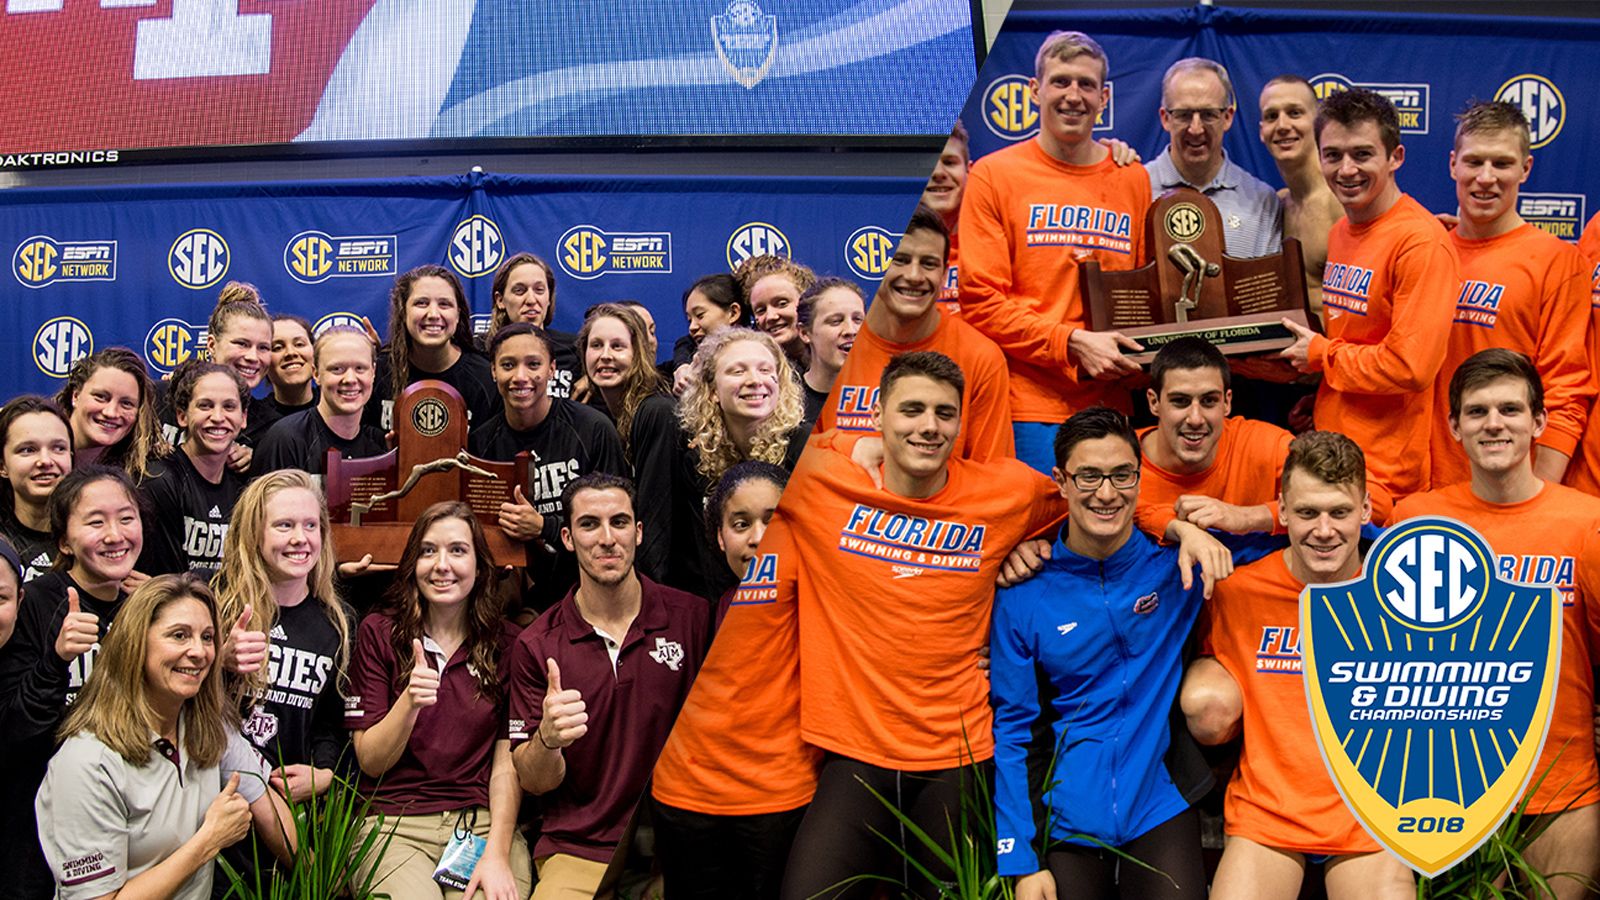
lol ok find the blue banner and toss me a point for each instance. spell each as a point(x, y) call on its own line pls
point(141, 267)
point(1430, 66)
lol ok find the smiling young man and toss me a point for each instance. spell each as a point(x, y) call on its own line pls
point(1288, 109)
point(1386, 297)
point(1521, 288)
point(904, 318)
point(596, 682)
point(946, 186)
point(1282, 809)
point(1197, 109)
point(1035, 211)
point(1542, 533)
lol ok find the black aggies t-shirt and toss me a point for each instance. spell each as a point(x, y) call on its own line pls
point(300, 716)
point(302, 441)
point(187, 517)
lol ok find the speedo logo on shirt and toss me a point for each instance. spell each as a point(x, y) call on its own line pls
point(1086, 227)
point(1344, 288)
point(1479, 303)
point(902, 538)
point(1541, 570)
point(854, 412)
point(760, 583)
point(1279, 650)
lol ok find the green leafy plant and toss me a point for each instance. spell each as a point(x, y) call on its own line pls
point(337, 856)
point(1499, 869)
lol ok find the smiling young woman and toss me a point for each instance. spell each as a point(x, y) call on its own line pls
point(35, 452)
point(110, 403)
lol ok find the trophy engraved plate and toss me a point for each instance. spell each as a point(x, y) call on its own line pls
point(1192, 288)
point(373, 502)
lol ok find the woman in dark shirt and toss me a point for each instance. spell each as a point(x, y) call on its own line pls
point(36, 442)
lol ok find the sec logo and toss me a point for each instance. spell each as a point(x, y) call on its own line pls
point(1008, 108)
point(59, 343)
point(35, 262)
point(430, 417)
point(756, 239)
point(170, 342)
point(1541, 101)
point(198, 258)
point(308, 257)
point(476, 248)
point(1329, 83)
point(1430, 683)
point(343, 318)
point(868, 251)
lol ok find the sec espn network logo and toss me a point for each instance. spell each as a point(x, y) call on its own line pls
point(42, 260)
point(170, 342)
point(476, 247)
point(588, 253)
point(198, 258)
point(1430, 681)
point(312, 257)
point(756, 239)
point(1011, 114)
point(1560, 214)
point(1410, 100)
point(1541, 101)
point(59, 343)
point(868, 251)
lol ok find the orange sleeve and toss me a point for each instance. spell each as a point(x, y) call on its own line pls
point(987, 278)
point(1588, 580)
point(1589, 241)
point(987, 416)
point(1408, 358)
point(1563, 353)
point(1048, 508)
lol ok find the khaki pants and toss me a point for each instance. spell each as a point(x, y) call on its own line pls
point(564, 877)
point(405, 871)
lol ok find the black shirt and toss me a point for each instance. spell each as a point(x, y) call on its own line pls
point(302, 441)
point(470, 375)
point(572, 440)
point(187, 517)
point(565, 366)
point(37, 549)
point(814, 401)
point(264, 413)
point(36, 687)
point(259, 415)
point(300, 717)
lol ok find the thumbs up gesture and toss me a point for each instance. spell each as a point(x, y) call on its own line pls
point(565, 717)
point(79, 630)
point(518, 519)
point(228, 819)
point(245, 650)
point(423, 690)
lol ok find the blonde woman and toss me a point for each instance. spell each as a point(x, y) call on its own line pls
point(743, 402)
point(277, 577)
point(151, 781)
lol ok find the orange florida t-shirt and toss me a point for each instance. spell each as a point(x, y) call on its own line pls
point(1246, 471)
point(1027, 221)
point(1387, 295)
point(1528, 291)
point(1281, 795)
point(895, 600)
point(736, 747)
point(1583, 472)
point(985, 401)
point(950, 294)
point(1552, 538)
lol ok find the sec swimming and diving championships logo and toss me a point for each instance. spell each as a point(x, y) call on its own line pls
point(868, 251)
point(746, 40)
point(1430, 681)
point(756, 239)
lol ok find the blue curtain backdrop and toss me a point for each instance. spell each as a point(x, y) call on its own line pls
point(1431, 66)
point(141, 267)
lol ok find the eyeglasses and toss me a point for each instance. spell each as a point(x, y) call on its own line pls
point(1208, 115)
point(1090, 479)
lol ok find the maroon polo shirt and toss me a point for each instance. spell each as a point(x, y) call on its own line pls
point(630, 711)
point(446, 762)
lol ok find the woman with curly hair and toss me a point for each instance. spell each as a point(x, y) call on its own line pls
point(621, 377)
point(773, 285)
point(430, 337)
point(743, 402)
point(111, 404)
point(524, 290)
point(427, 715)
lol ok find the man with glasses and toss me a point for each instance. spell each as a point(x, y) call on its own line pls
point(1197, 107)
point(1086, 662)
